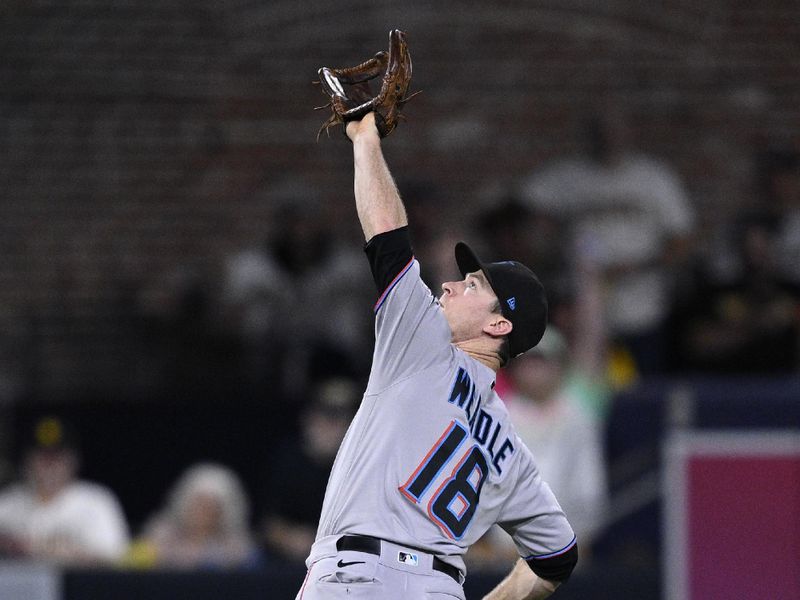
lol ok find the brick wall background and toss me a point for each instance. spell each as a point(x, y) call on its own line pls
point(138, 137)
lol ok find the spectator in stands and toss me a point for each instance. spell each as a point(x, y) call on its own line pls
point(638, 212)
point(748, 321)
point(298, 299)
point(547, 407)
point(780, 174)
point(54, 516)
point(204, 524)
point(510, 226)
point(181, 350)
point(295, 486)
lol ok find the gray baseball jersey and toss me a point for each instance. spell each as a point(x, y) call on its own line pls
point(431, 459)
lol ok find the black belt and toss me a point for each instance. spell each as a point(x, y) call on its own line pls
point(371, 545)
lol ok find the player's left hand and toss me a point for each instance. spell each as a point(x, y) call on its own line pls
point(351, 97)
point(364, 127)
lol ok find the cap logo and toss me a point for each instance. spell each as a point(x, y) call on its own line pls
point(512, 303)
point(48, 432)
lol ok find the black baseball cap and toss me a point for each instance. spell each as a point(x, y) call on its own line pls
point(521, 295)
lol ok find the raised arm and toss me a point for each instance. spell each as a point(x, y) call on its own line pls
point(522, 584)
point(378, 202)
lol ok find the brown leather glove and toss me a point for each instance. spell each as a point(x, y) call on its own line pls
point(351, 95)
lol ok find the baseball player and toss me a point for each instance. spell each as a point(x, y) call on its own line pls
point(431, 460)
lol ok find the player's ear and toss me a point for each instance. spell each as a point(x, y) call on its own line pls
point(498, 326)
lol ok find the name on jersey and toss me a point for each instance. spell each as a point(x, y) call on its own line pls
point(482, 427)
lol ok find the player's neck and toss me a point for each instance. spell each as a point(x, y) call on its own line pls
point(478, 350)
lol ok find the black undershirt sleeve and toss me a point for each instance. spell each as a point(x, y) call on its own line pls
point(555, 568)
point(388, 254)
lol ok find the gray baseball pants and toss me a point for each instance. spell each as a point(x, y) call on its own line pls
point(398, 573)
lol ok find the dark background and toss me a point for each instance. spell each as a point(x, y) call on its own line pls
point(139, 139)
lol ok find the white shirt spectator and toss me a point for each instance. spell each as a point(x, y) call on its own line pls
point(568, 449)
point(84, 523)
point(630, 208)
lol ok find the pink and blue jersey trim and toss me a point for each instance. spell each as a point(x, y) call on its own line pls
point(553, 554)
point(391, 285)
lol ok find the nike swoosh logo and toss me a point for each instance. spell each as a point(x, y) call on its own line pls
point(341, 563)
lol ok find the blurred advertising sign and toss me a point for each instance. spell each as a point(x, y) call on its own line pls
point(732, 515)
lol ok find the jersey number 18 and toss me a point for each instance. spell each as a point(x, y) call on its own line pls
point(454, 503)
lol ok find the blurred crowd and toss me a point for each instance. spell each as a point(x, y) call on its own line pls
point(205, 522)
point(639, 284)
